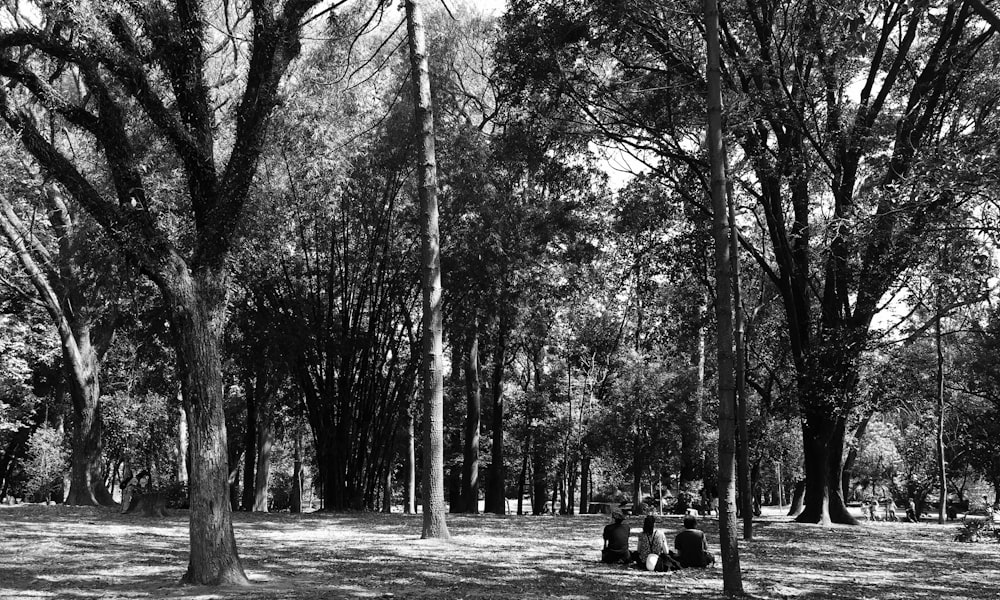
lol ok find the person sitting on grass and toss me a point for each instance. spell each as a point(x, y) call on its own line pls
point(691, 547)
point(616, 536)
point(652, 554)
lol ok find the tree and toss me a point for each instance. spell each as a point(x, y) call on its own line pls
point(147, 69)
point(433, 377)
point(723, 229)
point(75, 289)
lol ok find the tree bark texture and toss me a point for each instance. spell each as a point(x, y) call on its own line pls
point(939, 430)
point(410, 501)
point(496, 488)
point(470, 464)
point(198, 312)
point(722, 229)
point(434, 524)
point(250, 450)
point(265, 443)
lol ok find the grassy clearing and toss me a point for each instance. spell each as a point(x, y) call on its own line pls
point(63, 552)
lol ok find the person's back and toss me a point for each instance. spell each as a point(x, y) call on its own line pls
point(691, 546)
point(616, 536)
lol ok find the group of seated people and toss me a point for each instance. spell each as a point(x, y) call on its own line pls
point(690, 548)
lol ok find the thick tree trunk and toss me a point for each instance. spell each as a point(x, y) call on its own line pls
point(265, 442)
point(539, 481)
point(434, 524)
point(823, 447)
point(86, 486)
point(197, 303)
point(722, 231)
point(798, 498)
point(496, 490)
point(470, 464)
point(250, 458)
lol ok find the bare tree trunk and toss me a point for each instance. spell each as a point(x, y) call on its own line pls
point(942, 466)
point(496, 491)
point(743, 464)
point(470, 465)
point(250, 458)
point(265, 442)
point(410, 502)
point(434, 524)
point(198, 303)
point(723, 229)
point(182, 442)
point(297, 471)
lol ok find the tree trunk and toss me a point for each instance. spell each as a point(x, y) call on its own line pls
point(496, 492)
point(852, 454)
point(434, 524)
point(798, 498)
point(584, 485)
point(296, 506)
point(197, 303)
point(722, 230)
point(410, 501)
point(470, 464)
point(523, 476)
point(182, 442)
point(638, 464)
point(250, 458)
point(86, 486)
point(692, 444)
point(265, 441)
point(823, 447)
point(539, 469)
point(942, 466)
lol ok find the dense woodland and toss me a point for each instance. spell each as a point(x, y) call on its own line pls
point(218, 260)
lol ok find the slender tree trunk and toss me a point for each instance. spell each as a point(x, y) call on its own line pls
point(722, 229)
point(198, 310)
point(692, 444)
point(182, 442)
point(638, 464)
point(522, 478)
point(743, 464)
point(470, 465)
point(410, 502)
point(265, 441)
point(297, 471)
point(942, 466)
point(250, 458)
point(434, 524)
point(584, 485)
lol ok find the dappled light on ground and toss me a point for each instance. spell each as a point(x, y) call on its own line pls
point(61, 552)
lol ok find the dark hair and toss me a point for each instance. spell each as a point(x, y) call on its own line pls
point(647, 524)
point(690, 522)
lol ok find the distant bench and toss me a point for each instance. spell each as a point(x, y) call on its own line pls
point(606, 508)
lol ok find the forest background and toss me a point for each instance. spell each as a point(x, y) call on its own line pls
point(578, 315)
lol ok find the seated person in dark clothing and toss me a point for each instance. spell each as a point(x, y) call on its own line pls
point(616, 540)
point(691, 547)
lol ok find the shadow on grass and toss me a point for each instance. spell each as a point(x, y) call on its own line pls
point(62, 552)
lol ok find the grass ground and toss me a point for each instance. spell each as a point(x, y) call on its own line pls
point(62, 552)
